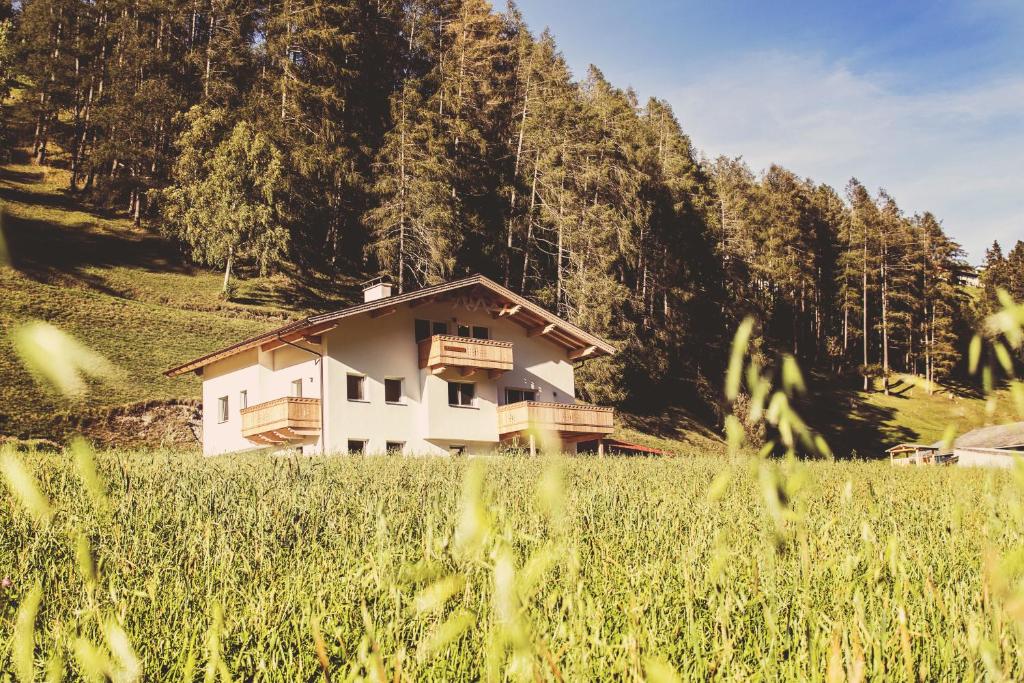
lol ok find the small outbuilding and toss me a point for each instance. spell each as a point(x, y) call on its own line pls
point(911, 454)
point(994, 446)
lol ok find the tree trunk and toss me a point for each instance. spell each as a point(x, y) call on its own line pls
point(864, 306)
point(209, 57)
point(885, 319)
point(402, 203)
point(515, 173)
point(529, 223)
point(227, 269)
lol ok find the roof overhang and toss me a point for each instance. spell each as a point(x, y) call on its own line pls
point(911, 447)
point(501, 302)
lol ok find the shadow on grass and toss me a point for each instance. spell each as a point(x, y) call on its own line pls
point(51, 253)
point(69, 250)
point(304, 290)
point(669, 422)
point(849, 423)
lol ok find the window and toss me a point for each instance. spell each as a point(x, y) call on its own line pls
point(297, 388)
point(243, 399)
point(395, 447)
point(393, 390)
point(461, 394)
point(456, 450)
point(425, 329)
point(356, 447)
point(474, 331)
point(222, 409)
point(356, 388)
point(518, 395)
point(422, 330)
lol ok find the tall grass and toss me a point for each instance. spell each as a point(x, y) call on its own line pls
point(260, 568)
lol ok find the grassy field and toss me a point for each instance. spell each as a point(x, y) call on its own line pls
point(255, 568)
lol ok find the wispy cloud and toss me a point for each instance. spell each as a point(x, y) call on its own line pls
point(957, 153)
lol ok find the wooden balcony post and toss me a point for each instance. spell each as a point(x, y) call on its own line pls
point(533, 445)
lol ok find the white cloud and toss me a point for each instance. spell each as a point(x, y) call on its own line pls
point(959, 153)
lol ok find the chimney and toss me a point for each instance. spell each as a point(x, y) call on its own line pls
point(377, 288)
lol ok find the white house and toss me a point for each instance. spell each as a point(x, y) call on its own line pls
point(449, 369)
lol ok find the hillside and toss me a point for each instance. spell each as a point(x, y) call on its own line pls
point(117, 288)
point(121, 290)
point(866, 423)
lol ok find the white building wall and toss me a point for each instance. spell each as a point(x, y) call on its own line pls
point(379, 348)
point(264, 376)
point(427, 424)
point(228, 377)
point(985, 457)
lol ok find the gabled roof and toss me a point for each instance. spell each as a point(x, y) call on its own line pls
point(903, 447)
point(502, 302)
point(1008, 435)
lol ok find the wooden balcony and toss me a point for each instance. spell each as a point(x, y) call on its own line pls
point(281, 421)
point(572, 422)
point(442, 352)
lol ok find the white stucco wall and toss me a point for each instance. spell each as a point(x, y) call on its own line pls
point(985, 457)
point(228, 377)
point(427, 424)
point(264, 376)
point(380, 348)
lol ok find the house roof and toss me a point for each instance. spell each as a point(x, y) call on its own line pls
point(899, 448)
point(502, 302)
point(996, 436)
point(635, 447)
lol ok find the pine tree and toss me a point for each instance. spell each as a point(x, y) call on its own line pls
point(7, 75)
point(1015, 271)
point(415, 224)
point(863, 241)
point(994, 277)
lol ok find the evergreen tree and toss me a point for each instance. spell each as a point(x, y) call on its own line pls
point(7, 74)
point(995, 276)
point(1015, 271)
point(415, 223)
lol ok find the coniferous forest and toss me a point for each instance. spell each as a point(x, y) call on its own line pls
point(429, 139)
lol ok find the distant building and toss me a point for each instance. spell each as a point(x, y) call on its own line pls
point(912, 454)
point(971, 277)
point(995, 446)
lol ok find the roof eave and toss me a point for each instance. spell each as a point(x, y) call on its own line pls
point(587, 340)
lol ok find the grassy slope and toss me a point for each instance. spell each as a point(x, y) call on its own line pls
point(121, 290)
point(117, 288)
point(869, 422)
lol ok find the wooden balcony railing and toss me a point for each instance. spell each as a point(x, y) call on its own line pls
point(441, 352)
point(568, 420)
point(282, 420)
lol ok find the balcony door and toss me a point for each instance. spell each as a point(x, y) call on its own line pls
point(519, 395)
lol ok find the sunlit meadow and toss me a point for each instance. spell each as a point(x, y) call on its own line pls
point(128, 565)
point(264, 568)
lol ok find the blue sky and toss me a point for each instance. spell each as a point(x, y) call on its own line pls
point(925, 99)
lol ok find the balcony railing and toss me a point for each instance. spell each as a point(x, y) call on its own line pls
point(441, 352)
point(566, 419)
point(282, 420)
